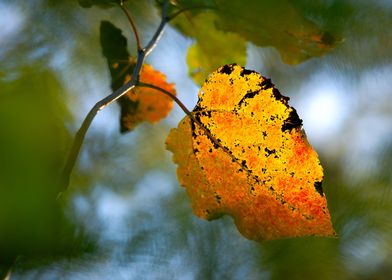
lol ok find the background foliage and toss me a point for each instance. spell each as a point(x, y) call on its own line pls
point(125, 215)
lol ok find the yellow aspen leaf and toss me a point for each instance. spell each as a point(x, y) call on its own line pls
point(145, 104)
point(257, 167)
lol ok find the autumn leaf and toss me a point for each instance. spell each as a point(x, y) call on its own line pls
point(139, 104)
point(146, 104)
point(256, 165)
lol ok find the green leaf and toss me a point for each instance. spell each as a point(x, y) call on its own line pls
point(99, 3)
point(115, 50)
point(121, 65)
point(33, 146)
point(277, 23)
point(191, 6)
point(212, 47)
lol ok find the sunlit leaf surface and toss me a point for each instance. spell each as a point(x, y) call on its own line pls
point(268, 178)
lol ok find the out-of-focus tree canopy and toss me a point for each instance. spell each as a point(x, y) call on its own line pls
point(124, 215)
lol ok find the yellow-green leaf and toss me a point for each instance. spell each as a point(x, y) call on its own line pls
point(282, 24)
point(212, 47)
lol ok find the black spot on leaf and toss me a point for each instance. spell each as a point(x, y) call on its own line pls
point(193, 127)
point(269, 152)
point(266, 83)
point(197, 107)
point(245, 72)
point(248, 95)
point(318, 187)
point(227, 69)
point(293, 121)
point(278, 96)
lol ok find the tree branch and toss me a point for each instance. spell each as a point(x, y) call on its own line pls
point(158, 33)
point(80, 135)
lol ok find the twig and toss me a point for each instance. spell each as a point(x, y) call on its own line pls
point(80, 135)
point(168, 93)
point(158, 33)
point(135, 32)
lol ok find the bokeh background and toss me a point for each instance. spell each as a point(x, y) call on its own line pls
point(124, 215)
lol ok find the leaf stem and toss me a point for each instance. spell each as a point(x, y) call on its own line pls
point(133, 25)
point(80, 135)
point(192, 117)
point(168, 93)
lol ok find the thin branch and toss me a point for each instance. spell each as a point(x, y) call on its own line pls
point(133, 25)
point(158, 33)
point(80, 135)
point(192, 117)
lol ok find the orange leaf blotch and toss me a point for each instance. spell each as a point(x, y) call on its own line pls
point(146, 104)
point(267, 177)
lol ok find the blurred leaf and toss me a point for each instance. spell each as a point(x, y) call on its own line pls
point(146, 104)
point(99, 3)
point(115, 50)
point(192, 6)
point(33, 145)
point(267, 176)
point(276, 23)
point(212, 48)
point(265, 23)
point(291, 259)
point(139, 104)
